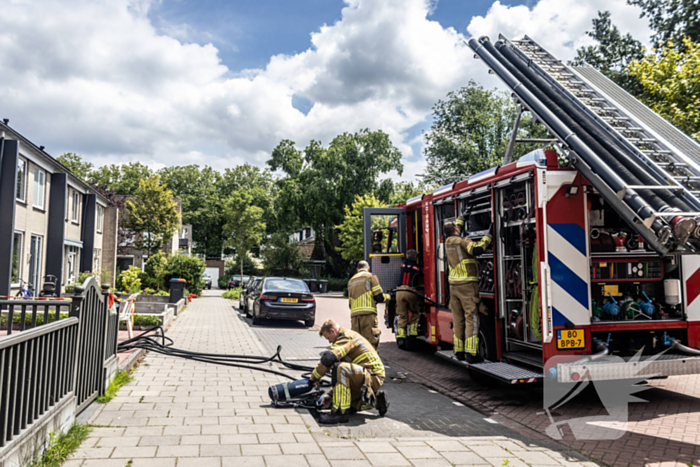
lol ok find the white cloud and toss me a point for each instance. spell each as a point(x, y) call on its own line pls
point(99, 79)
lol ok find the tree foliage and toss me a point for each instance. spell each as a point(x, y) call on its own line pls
point(612, 53)
point(75, 163)
point(281, 257)
point(671, 83)
point(671, 20)
point(199, 190)
point(350, 231)
point(152, 215)
point(243, 228)
point(122, 179)
point(186, 267)
point(318, 182)
point(470, 133)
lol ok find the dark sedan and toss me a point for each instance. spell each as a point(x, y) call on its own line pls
point(246, 290)
point(281, 298)
point(236, 281)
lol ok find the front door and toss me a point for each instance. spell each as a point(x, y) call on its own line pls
point(35, 263)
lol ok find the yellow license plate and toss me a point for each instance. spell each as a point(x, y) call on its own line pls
point(289, 300)
point(571, 339)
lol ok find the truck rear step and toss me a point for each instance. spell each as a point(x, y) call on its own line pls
point(505, 372)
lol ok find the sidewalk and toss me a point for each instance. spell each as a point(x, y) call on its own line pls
point(184, 413)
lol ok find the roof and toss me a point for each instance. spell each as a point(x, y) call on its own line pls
point(52, 161)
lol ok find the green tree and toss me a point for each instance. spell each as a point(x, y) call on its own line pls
point(186, 267)
point(122, 179)
point(318, 183)
point(280, 256)
point(259, 183)
point(350, 231)
point(470, 133)
point(671, 20)
point(152, 215)
point(243, 226)
point(612, 53)
point(75, 163)
point(199, 190)
point(671, 84)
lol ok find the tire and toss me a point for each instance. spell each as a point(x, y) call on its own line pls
point(310, 322)
point(256, 321)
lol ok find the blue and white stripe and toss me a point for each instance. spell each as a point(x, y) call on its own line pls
point(443, 189)
point(569, 266)
point(483, 175)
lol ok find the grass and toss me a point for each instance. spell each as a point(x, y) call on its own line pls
point(61, 447)
point(233, 294)
point(120, 379)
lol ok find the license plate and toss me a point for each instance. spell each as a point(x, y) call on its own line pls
point(289, 300)
point(571, 339)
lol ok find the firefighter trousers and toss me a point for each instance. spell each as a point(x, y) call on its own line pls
point(407, 302)
point(464, 304)
point(348, 389)
point(368, 326)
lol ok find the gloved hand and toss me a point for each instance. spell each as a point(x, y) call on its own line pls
point(387, 297)
point(327, 399)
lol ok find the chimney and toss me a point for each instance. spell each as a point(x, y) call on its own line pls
point(41, 147)
point(5, 121)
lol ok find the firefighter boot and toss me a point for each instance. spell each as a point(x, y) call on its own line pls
point(412, 336)
point(382, 403)
point(472, 348)
point(401, 338)
point(461, 356)
point(333, 418)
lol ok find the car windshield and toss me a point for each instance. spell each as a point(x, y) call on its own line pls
point(245, 279)
point(286, 285)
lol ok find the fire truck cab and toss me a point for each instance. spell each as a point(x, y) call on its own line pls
point(571, 273)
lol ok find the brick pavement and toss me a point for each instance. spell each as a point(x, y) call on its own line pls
point(663, 431)
point(184, 413)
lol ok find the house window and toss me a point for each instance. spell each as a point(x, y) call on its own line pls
point(16, 258)
point(39, 188)
point(76, 207)
point(96, 260)
point(72, 258)
point(21, 180)
point(100, 216)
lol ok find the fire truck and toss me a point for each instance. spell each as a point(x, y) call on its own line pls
point(596, 236)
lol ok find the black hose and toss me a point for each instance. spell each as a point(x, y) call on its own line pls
point(593, 129)
point(165, 347)
point(430, 302)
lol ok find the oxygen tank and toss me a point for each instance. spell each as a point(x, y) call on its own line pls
point(289, 390)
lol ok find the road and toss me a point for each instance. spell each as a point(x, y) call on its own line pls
point(663, 427)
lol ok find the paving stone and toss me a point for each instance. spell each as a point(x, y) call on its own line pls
point(199, 462)
point(93, 453)
point(260, 449)
point(430, 463)
point(338, 453)
point(447, 446)
point(490, 451)
point(199, 439)
point(134, 452)
point(211, 450)
point(153, 463)
point(159, 441)
point(182, 430)
point(300, 448)
point(248, 461)
point(317, 460)
point(380, 459)
point(123, 441)
point(103, 463)
point(418, 452)
point(464, 458)
point(376, 446)
point(239, 439)
point(277, 438)
point(143, 431)
point(286, 461)
point(178, 451)
point(106, 432)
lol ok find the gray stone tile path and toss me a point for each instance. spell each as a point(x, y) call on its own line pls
point(182, 413)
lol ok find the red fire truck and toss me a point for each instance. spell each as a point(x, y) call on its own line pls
point(596, 250)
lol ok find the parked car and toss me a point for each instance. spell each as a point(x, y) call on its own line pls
point(246, 290)
point(236, 281)
point(207, 281)
point(282, 298)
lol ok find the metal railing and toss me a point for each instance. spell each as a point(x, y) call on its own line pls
point(36, 372)
point(23, 314)
point(53, 357)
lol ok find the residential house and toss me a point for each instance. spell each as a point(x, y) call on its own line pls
point(51, 222)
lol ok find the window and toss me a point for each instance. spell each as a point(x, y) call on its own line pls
point(100, 216)
point(16, 258)
point(96, 260)
point(75, 217)
point(71, 264)
point(39, 188)
point(21, 180)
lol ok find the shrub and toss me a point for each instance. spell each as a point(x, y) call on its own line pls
point(128, 281)
point(186, 267)
point(233, 294)
point(155, 270)
point(70, 288)
point(233, 266)
point(336, 285)
point(146, 320)
point(223, 282)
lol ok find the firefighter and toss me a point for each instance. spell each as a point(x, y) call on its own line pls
point(364, 293)
point(408, 300)
point(465, 303)
point(358, 373)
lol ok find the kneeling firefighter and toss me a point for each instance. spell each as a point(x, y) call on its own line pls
point(358, 373)
point(408, 300)
point(465, 302)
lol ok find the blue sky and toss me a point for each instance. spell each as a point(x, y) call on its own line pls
point(220, 83)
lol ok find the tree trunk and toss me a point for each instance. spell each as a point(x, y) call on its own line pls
point(240, 258)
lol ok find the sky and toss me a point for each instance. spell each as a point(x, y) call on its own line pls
point(222, 82)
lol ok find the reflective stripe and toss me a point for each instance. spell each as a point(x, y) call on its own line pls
point(364, 302)
point(286, 390)
point(357, 310)
point(401, 332)
point(413, 329)
point(472, 345)
point(377, 288)
point(340, 349)
point(316, 375)
point(459, 273)
point(458, 344)
point(481, 243)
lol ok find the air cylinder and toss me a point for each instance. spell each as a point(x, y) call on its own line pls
point(289, 390)
point(672, 291)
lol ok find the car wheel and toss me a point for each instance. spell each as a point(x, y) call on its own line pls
point(310, 322)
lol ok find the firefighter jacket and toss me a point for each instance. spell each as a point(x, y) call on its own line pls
point(461, 258)
point(364, 292)
point(351, 347)
point(409, 271)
